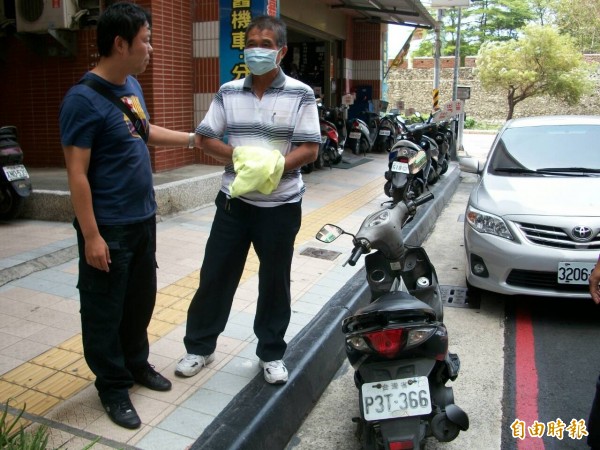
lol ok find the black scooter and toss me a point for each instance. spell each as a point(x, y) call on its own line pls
point(388, 132)
point(15, 184)
point(398, 344)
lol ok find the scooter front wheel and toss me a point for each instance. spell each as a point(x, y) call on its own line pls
point(11, 204)
point(445, 164)
point(319, 162)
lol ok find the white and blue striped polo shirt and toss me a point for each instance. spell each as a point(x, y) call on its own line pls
point(285, 117)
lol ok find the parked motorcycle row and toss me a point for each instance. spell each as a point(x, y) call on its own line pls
point(398, 344)
point(333, 137)
point(419, 153)
point(419, 156)
point(15, 184)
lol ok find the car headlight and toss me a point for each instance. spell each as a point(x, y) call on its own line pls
point(488, 223)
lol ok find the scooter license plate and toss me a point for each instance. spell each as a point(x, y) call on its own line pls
point(574, 272)
point(396, 398)
point(401, 167)
point(384, 132)
point(354, 135)
point(17, 172)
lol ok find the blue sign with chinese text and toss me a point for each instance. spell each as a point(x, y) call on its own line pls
point(234, 17)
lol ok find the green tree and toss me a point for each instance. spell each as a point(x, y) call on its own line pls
point(580, 19)
point(540, 62)
point(485, 21)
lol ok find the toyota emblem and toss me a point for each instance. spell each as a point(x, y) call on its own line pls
point(582, 233)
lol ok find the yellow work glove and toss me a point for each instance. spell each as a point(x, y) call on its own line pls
point(256, 169)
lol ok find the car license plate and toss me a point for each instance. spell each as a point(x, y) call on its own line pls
point(354, 135)
point(574, 272)
point(401, 167)
point(384, 132)
point(18, 172)
point(396, 398)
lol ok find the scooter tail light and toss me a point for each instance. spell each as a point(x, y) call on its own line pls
point(333, 134)
point(401, 445)
point(417, 336)
point(403, 159)
point(358, 343)
point(387, 343)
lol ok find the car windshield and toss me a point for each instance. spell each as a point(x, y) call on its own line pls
point(544, 150)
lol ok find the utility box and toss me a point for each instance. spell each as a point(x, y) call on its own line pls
point(39, 16)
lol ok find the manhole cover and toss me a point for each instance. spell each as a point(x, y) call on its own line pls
point(456, 296)
point(320, 253)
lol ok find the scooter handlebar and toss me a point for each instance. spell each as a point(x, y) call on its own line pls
point(423, 199)
point(355, 256)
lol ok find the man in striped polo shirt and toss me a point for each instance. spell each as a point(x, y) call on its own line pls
point(270, 111)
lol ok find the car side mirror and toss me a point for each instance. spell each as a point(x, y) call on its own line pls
point(471, 165)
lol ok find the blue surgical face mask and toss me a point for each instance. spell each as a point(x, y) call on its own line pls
point(260, 60)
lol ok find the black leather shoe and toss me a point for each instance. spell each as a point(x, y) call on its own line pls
point(123, 413)
point(151, 379)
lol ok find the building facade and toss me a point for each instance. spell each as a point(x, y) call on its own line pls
point(195, 44)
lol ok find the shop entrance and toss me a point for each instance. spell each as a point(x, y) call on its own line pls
point(316, 61)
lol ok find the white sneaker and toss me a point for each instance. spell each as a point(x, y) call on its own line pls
point(274, 371)
point(190, 365)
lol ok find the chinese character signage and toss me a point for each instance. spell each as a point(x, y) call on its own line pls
point(234, 17)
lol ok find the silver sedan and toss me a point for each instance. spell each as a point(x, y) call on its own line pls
point(532, 223)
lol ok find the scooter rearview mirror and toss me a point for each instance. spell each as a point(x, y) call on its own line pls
point(329, 233)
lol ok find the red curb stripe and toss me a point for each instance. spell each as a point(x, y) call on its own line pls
point(526, 394)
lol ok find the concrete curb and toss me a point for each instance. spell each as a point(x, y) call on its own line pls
point(265, 417)
point(171, 198)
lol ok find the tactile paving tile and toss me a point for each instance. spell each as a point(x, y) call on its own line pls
point(62, 385)
point(56, 358)
point(9, 390)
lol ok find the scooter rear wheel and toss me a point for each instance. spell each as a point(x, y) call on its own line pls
point(443, 428)
point(308, 168)
point(363, 146)
point(11, 204)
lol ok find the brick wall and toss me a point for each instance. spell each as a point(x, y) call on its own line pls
point(36, 72)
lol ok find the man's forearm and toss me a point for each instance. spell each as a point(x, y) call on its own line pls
point(217, 149)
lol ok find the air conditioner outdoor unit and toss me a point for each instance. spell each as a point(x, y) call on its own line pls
point(38, 16)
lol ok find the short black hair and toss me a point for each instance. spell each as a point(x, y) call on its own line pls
point(270, 23)
point(122, 19)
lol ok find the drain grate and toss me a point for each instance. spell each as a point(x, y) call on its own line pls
point(456, 296)
point(320, 253)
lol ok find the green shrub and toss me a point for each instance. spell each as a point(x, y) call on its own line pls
point(12, 438)
point(470, 123)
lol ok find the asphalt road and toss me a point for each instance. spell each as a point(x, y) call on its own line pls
point(557, 380)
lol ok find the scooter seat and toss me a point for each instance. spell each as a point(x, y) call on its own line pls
point(398, 301)
point(390, 307)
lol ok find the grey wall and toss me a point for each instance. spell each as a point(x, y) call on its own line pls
point(414, 87)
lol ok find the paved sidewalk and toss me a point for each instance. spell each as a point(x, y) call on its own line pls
point(41, 360)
